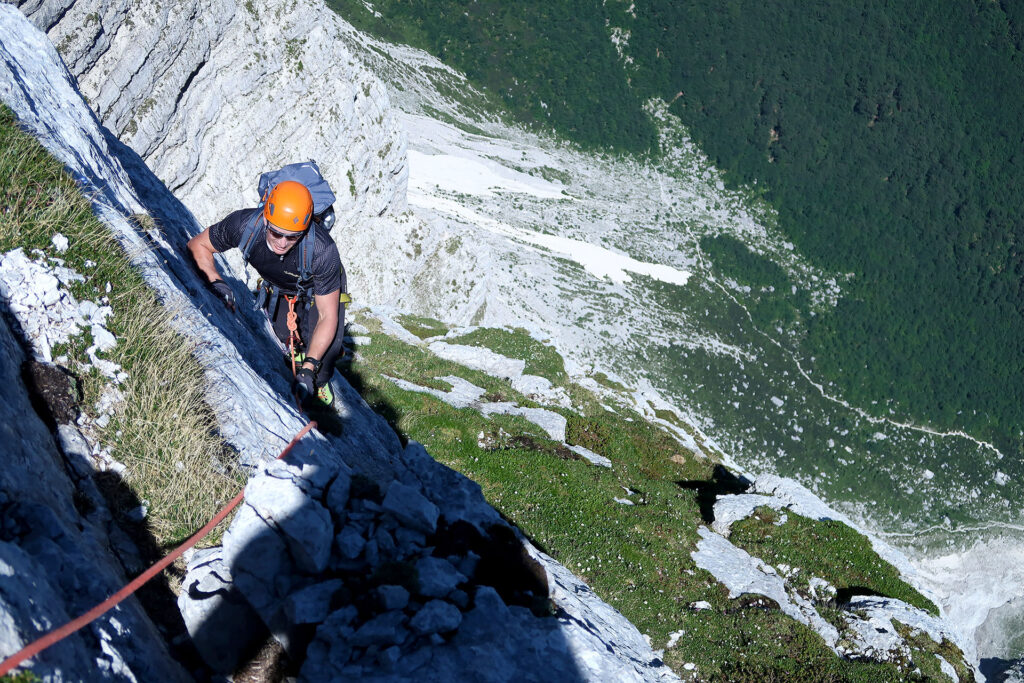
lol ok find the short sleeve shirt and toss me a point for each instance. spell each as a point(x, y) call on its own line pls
point(282, 272)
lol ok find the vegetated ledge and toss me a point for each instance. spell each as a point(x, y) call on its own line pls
point(635, 532)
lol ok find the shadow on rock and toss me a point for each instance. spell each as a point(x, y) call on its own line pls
point(722, 483)
point(356, 578)
point(137, 549)
point(997, 670)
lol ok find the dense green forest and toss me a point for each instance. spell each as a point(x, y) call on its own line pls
point(889, 137)
point(550, 63)
point(773, 298)
point(886, 134)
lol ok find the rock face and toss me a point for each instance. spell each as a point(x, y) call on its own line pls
point(418, 591)
point(211, 92)
point(54, 562)
point(319, 553)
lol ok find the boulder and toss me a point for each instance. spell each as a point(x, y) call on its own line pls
point(259, 562)
point(349, 543)
point(393, 597)
point(383, 630)
point(437, 577)
point(410, 507)
point(312, 604)
point(303, 522)
point(437, 616)
point(222, 625)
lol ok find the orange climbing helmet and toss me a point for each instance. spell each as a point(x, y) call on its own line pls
point(289, 206)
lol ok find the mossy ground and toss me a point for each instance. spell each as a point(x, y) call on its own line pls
point(926, 651)
point(423, 327)
point(636, 557)
point(826, 549)
point(541, 360)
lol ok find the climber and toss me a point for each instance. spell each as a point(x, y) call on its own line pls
point(284, 221)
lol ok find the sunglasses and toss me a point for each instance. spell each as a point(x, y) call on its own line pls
point(287, 237)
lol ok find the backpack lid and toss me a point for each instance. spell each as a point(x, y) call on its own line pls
point(305, 172)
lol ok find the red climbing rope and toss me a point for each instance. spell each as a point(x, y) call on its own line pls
point(40, 644)
point(293, 328)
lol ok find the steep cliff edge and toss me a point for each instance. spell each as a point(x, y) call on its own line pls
point(55, 561)
point(288, 533)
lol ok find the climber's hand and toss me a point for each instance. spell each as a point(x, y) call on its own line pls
point(303, 384)
point(224, 293)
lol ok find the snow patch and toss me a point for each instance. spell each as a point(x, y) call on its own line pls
point(473, 176)
point(600, 262)
point(464, 394)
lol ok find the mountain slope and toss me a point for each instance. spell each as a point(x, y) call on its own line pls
point(499, 255)
point(307, 494)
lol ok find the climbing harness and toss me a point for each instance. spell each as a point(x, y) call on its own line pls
point(323, 392)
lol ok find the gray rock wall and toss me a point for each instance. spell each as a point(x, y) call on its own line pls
point(54, 559)
point(212, 92)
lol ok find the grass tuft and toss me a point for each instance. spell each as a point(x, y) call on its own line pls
point(541, 360)
point(423, 327)
point(925, 653)
point(163, 432)
point(827, 549)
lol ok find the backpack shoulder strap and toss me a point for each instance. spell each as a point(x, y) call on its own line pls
point(249, 234)
point(307, 245)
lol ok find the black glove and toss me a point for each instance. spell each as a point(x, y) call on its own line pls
point(303, 384)
point(223, 291)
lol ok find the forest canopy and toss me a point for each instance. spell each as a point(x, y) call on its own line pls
point(550, 63)
point(887, 136)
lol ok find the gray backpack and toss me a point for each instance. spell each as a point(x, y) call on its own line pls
point(307, 173)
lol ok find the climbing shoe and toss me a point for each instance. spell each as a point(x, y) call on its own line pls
point(325, 395)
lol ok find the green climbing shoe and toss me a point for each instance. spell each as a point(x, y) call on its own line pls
point(325, 395)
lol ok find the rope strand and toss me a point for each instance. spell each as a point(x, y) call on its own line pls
point(43, 642)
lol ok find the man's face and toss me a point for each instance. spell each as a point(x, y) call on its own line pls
point(281, 242)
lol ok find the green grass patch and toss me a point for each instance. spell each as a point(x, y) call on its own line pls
point(541, 360)
point(925, 653)
point(448, 118)
point(423, 327)
point(636, 557)
point(390, 356)
point(553, 175)
point(163, 432)
point(747, 643)
point(21, 677)
point(673, 419)
point(827, 549)
point(607, 382)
